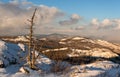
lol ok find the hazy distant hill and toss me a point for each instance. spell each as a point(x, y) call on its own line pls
point(54, 36)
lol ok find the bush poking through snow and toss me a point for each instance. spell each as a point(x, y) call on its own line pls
point(1, 64)
point(60, 67)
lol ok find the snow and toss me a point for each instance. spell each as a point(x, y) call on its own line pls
point(88, 40)
point(22, 69)
point(63, 48)
point(44, 59)
point(107, 44)
point(62, 42)
point(21, 38)
point(17, 39)
point(48, 50)
point(78, 38)
point(22, 46)
point(2, 46)
point(104, 53)
point(63, 39)
point(59, 49)
point(44, 39)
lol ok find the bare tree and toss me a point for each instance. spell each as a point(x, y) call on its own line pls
point(31, 52)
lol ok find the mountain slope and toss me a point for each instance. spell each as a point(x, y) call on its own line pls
point(76, 47)
point(84, 57)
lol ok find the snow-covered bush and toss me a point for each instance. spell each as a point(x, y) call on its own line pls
point(10, 53)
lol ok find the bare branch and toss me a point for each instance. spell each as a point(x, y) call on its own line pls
point(31, 56)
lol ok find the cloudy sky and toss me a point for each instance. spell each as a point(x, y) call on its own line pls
point(95, 18)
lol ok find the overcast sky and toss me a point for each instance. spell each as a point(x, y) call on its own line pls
point(95, 18)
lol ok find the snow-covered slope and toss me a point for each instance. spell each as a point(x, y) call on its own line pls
point(13, 57)
point(96, 69)
point(96, 52)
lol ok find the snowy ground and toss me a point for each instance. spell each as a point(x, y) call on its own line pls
point(97, 69)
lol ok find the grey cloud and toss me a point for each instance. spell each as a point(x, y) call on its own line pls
point(73, 20)
point(80, 28)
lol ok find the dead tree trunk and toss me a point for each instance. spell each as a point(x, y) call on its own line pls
point(31, 60)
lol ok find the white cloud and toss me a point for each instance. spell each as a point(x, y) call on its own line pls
point(75, 16)
point(106, 22)
point(14, 15)
point(117, 23)
point(95, 22)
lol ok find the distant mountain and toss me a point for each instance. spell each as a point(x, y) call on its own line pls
point(54, 36)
